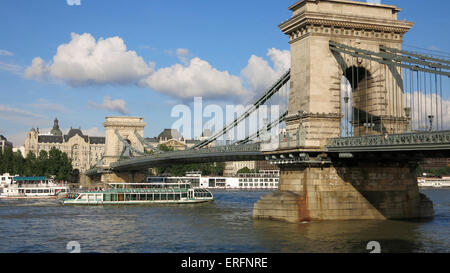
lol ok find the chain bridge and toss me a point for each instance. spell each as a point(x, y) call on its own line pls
point(359, 111)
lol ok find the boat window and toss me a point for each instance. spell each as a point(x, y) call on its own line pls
point(134, 197)
point(184, 195)
point(33, 191)
point(142, 196)
point(170, 196)
point(120, 197)
point(27, 191)
point(163, 196)
point(150, 197)
point(157, 196)
point(106, 197)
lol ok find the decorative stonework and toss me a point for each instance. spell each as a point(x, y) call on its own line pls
point(125, 127)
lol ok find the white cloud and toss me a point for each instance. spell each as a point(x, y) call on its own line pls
point(94, 131)
point(182, 55)
point(198, 78)
point(260, 75)
point(419, 116)
point(112, 105)
point(5, 53)
point(20, 116)
point(13, 68)
point(43, 104)
point(85, 61)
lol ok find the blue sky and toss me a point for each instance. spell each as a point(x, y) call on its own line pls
point(226, 41)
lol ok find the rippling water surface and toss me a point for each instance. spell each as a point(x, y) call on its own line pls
point(225, 225)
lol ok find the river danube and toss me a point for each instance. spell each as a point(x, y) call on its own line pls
point(224, 225)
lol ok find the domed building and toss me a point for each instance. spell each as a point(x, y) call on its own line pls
point(84, 150)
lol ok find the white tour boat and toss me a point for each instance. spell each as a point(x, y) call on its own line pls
point(263, 180)
point(430, 182)
point(34, 187)
point(140, 194)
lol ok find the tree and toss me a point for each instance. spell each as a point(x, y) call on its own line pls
point(30, 165)
point(244, 170)
point(165, 148)
point(42, 163)
point(18, 163)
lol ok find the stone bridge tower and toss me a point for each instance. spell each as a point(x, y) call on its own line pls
point(328, 187)
point(125, 127)
point(316, 72)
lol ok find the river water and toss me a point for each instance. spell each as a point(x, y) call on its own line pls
point(224, 225)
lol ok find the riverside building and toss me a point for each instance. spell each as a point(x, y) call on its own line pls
point(84, 150)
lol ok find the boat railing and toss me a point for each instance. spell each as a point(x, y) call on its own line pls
point(37, 185)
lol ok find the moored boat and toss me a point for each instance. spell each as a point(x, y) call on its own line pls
point(34, 187)
point(141, 193)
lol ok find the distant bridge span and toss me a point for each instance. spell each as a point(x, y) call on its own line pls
point(436, 144)
point(244, 152)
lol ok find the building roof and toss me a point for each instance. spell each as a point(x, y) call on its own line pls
point(50, 139)
point(29, 178)
point(55, 130)
point(74, 132)
point(97, 140)
point(3, 138)
point(170, 134)
point(151, 140)
point(192, 141)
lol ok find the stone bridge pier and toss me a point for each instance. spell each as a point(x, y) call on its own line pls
point(347, 189)
point(323, 186)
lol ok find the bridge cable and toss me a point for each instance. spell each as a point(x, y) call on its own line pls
point(271, 91)
point(126, 144)
point(145, 143)
point(268, 128)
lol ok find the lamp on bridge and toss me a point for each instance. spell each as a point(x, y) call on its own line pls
point(430, 118)
point(368, 125)
point(408, 118)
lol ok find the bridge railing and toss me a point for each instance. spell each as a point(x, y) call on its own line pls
point(413, 138)
point(253, 147)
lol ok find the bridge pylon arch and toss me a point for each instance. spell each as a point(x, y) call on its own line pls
point(125, 128)
point(316, 71)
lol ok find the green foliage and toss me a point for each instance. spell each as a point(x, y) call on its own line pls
point(54, 163)
point(436, 171)
point(247, 170)
point(165, 148)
